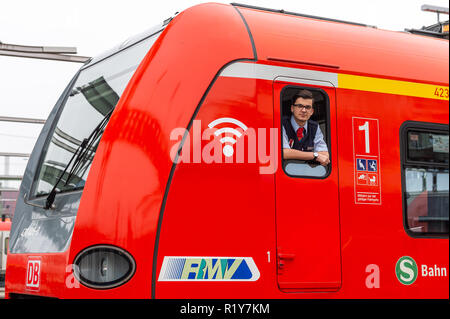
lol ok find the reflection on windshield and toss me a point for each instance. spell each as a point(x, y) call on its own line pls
point(95, 93)
point(102, 98)
point(99, 94)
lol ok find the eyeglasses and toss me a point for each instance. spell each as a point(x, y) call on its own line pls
point(301, 106)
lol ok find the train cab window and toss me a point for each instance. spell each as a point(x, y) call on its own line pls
point(83, 118)
point(425, 150)
point(305, 133)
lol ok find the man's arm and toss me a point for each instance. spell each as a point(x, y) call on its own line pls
point(291, 153)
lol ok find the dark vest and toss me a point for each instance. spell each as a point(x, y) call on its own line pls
point(307, 142)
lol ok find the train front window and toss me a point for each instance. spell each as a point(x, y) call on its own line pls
point(93, 96)
point(425, 151)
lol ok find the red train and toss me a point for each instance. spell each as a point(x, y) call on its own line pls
point(160, 171)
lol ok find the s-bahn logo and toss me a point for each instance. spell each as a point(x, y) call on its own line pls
point(208, 269)
point(406, 270)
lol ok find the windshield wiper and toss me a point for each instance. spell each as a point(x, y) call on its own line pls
point(88, 149)
point(80, 153)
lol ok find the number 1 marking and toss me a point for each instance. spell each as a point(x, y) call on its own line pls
point(365, 128)
point(268, 256)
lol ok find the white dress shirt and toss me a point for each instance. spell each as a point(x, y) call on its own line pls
point(319, 143)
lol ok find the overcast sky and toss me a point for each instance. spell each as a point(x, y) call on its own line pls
point(30, 88)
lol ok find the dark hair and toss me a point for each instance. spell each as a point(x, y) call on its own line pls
point(305, 94)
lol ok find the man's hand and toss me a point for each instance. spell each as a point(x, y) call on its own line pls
point(323, 159)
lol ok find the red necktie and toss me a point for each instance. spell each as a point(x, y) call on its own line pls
point(300, 133)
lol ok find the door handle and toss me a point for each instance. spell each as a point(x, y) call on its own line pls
point(282, 258)
point(286, 256)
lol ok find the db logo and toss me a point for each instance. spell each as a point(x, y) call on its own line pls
point(33, 280)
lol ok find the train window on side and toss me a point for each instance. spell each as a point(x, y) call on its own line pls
point(425, 173)
point(304, 133)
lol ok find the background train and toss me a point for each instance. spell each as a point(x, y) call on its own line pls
point(5, 227)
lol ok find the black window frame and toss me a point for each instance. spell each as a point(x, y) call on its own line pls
point(405, 128)
point(326, 134)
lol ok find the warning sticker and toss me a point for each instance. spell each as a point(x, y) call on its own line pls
point(366, 159)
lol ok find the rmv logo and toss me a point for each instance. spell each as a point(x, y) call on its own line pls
point(208, 269)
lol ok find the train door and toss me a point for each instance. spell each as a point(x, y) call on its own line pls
point(307, 202)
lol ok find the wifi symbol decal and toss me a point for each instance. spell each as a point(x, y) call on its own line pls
point(228, 141)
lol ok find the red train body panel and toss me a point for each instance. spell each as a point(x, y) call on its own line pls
point(307, 237)
point(5, 226)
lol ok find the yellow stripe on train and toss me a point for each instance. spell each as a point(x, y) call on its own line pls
point(363, 83)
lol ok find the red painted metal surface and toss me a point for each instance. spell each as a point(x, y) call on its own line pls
point(354, 49)
point(230, 203)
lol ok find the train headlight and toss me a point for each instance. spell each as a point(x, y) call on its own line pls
point(103, 267)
